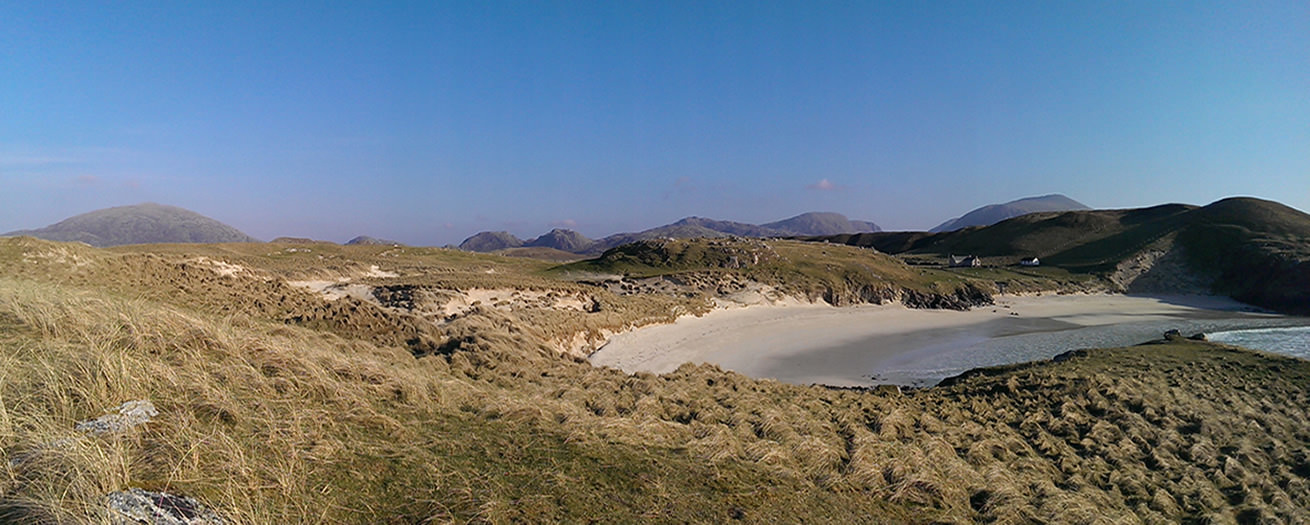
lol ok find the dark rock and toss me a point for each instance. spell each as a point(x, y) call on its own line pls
point(962, 299)
point(396, 296)
point(1068, 355)
point(136, 506)
point(1173, 335)
point(1199, 336)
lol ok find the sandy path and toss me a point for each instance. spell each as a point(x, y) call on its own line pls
point(754, 339)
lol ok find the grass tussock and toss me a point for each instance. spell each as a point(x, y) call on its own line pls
point(272, 420)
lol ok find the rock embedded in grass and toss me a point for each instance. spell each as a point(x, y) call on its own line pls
point(160, 508)
point(130, 414)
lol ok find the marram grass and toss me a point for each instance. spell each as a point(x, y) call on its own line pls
point(269, 422)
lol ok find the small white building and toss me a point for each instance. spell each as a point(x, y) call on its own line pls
point(1031, 261)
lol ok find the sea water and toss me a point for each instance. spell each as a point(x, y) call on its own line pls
point(933, 356)
point(1293, 341)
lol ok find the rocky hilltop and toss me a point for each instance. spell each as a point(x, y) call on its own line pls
point(563, 240)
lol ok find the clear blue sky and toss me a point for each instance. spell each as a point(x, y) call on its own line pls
point(427, 122)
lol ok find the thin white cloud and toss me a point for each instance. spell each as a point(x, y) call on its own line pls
point(566, 223)
point(822, 185)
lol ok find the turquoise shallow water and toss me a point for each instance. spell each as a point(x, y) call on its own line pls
point(1293, 341)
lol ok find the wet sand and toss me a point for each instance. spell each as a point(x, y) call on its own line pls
point(865, 345)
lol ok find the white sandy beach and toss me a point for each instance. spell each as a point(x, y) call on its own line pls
point(754, 339)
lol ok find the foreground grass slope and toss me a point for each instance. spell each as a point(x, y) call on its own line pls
point(275, 422)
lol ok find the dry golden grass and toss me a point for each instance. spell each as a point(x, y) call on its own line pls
point(271, 419)
point(271, 423)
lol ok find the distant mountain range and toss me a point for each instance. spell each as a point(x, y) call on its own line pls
point(807, 224)
point(138, 224)
point(158, 223)
point(994, 213)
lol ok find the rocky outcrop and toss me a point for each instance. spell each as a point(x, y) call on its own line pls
point(137, 506)
point(129, 415)
point(963, 298)
point(960, 299)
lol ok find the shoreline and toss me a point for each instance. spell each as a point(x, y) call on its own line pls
point(847, 346)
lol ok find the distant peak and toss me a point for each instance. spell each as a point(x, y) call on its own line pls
point(490, 241)
point(994, 213)
point(143, 223)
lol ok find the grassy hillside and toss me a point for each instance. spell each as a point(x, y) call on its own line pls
point(1260, 251)
point(139, 224)
point(1256, 251)
point(269, 419)
point(834, 273)
point(252, 280)
point(1083, 240)
point(544, 254)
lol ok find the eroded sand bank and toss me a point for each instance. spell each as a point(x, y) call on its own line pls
point(865, 345)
